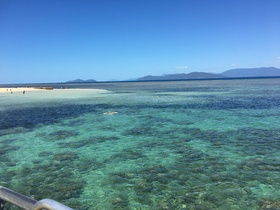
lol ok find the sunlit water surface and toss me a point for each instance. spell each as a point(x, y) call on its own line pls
point(146, 145)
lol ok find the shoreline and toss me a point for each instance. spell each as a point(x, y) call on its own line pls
point(23, 90)
point(20, 89)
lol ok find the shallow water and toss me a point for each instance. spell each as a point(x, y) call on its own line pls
point(171, 145)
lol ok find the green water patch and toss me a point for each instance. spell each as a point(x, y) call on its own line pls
point(126, 154)
point(141, 130)
point(160, 187)
point(76, 144)
point(60, 135)
point(6, 148)
point(218, 167)
point(87, 142)
point(48, 180)
point(257, 141)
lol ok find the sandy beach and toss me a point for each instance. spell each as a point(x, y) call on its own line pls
point(26, 95)
point(31, 94)
point(48, 89)
point(21, 89)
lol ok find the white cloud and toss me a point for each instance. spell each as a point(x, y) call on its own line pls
point(278, 59)
point(181, 67)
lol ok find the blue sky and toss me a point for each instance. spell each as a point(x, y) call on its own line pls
point(60, 40)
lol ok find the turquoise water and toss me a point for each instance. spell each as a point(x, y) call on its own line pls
point(167, 145)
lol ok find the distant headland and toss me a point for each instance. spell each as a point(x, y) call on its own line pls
point(232, 73)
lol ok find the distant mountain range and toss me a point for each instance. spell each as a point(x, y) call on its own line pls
point(81, 81)
point(233, 73)
point(192, 75)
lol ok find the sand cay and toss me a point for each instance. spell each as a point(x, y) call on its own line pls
point(32, 89)
point(21, 96)
point(21, 89)
point(30, 94)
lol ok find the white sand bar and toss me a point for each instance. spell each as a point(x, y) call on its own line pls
point(20, 89)
point(23, 95)
point(24, 90)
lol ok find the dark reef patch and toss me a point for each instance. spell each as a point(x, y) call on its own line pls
point(31, 117)
point(65, 156)
point(76, 144)
point(61, 135)
point(90, 165)
point(126, 154)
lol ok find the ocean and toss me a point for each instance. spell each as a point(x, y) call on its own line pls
point(178, 145)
